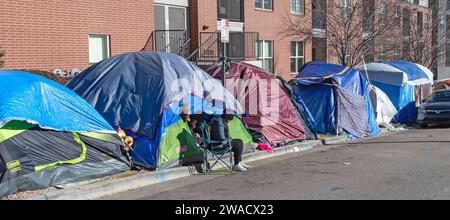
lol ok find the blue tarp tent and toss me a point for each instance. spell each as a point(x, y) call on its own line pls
point(37, 100)
point(398, 80)
point(50, 136)
point(335, 96)
point(144, 93)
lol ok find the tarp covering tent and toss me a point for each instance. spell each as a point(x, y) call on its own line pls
point(384, 109)
point(268, 109)
point(303, 116)
point(144, 93)
point(50, 136)
point(442, 84)
point(404, 82)
point(336, 99)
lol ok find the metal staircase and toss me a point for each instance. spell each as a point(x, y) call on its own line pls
point(242, 46)
point(208, 53)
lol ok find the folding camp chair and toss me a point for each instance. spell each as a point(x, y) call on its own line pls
point(217, 150)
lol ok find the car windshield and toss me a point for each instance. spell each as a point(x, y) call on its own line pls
point(440, 97)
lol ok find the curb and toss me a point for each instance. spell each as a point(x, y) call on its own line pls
point(334, 140)
point(103, 189)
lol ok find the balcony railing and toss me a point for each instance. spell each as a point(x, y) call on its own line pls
point(242, 46)
point(170, 41)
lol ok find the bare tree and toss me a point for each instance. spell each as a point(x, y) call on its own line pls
point(421, 41)
point(350, 27)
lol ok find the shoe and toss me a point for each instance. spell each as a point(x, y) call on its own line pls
point(201, 169)
point(246, 166)
point(239, 168)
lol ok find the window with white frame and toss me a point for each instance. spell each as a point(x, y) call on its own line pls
point(297, 56)
point(98, 48)
point(264, 52)
point(264, 4)
point(297, 6)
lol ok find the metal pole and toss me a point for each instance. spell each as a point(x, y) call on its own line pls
point(223, 75)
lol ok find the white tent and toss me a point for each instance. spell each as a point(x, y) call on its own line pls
point(383, 106)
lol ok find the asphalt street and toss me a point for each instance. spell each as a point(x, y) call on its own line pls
point(408, 165)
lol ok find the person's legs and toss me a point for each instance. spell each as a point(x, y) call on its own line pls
point(238, 148)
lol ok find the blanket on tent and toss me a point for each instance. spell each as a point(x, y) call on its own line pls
point(323, 90)
point(350, 116)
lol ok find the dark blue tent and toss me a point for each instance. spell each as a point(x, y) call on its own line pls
point(144, 93)
point(335, 96)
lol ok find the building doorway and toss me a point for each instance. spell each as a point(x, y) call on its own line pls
point(171, 28)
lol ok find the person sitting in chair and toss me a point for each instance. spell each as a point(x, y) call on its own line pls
point(219, 132)
point(193, 123)
point(195, 130)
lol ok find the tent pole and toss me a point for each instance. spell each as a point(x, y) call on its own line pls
point(365, 69)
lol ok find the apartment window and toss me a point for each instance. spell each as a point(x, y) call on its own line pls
point(297, 56)
point(348, 58)
point(447, 44)
point(447, 27)
point(232, 10)
point(397, 12)
point(447, 54)
point(448, 4)
point(419, 22)
point(382, 52)
point(406, 22)
point(264, 52)
point(345, 8)
point(396, 52)
point(397, 15)
point(441, 21)
point(383, 12)
point(264, 4)
point(369, 7)
point(344, 3)
point(98, 48)
point(427, 22)
point(297, 6)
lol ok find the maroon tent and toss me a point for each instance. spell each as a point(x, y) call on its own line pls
point(268, 109)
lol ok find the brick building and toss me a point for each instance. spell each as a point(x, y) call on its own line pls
point(57, 34)
point(442, 37)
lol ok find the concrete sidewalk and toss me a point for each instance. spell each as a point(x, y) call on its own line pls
point(100, 189)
